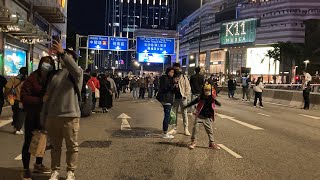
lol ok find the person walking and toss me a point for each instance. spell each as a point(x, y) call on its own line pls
point(156, 85)
point(94, 84)
point(135, 88)
point(258, 88)
point(196, 83)
point(62, 112)
point(3, 82)
point(105, 94)
point(306, 87)
point(246, 83)
point(142, 83)
point(118, 81)
point(113, 88)
point(232, 86)
point(165, 97)
point(182, 92)
point(32, 93)
point(205, 114)
point(150, 82)
point(13, 89)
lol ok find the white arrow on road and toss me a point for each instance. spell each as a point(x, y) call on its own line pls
point(239, 122)
point(18, 158)
point(125, 124)
point(313, 117)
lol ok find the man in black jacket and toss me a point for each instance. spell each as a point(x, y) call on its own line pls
point(196, 82)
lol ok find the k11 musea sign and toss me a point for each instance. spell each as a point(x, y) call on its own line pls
point(237, 32)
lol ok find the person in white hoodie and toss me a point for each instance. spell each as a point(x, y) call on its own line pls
point(258, 88)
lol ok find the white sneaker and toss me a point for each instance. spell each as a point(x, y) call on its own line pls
point(255, 106)
point(172, 132)
point(167, 136)
point(21, 132)
point(187, 133)
point(70, 176)
point(54, 175)
point(18, 132)
point(261, 107)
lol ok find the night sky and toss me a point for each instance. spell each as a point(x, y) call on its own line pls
point(87, 17)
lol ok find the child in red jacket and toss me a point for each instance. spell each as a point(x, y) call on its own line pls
point(205, 114)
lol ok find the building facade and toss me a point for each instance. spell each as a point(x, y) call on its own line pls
point(227, 37)
point(26, 28)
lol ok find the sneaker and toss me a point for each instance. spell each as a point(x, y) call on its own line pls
point(242, 100)
point(172, 132)
point(192, 145)
point(214, 146)
point(26, 175)
point(70, 176)
point(40, 168)
point(54, 175)
point(18, 132)
point(187, 133)
point(167, 136)
point(92, 112)
point(255, 106)
point(261, 107)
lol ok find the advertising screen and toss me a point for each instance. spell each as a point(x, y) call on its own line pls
point(14, 59)
point(155, 45)
point(237, 32)
point(151, 58)
point(258, 61)
point(98, 42)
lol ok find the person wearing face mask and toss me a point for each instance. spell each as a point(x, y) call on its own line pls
point(62, 111)
point(32, 93)
point(14, 87)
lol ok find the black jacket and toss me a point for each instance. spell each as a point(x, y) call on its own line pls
point(232, 85)
point(196, 83)
point(166, 90)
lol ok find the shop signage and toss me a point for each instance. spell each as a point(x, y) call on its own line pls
point(118, 44)
point(155, 45)
point(237, 32)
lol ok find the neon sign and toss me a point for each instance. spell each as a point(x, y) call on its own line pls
point(238, 32)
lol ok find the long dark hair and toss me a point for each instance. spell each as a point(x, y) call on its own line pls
point(258, 81)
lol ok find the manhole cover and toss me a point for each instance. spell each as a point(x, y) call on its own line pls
point(95, 144)
point(136, 133)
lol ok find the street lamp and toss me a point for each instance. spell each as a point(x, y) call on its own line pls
point(191, 57)
point(306, 63)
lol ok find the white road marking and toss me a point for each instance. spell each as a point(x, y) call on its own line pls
point(18, 158)
point(264, 114)
point(236, 155)
point(313, 117)
point(5, 122)
point(125, 125)
point(277, 104)
point(239, 122)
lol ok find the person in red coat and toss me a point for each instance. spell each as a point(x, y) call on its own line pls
point(94, 84)
point(32, 93)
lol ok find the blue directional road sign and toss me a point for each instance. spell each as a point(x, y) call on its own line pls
point(118, 44)
point(155, 45)
point(98, 42)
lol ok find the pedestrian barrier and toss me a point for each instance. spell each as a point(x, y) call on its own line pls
point(285, 97)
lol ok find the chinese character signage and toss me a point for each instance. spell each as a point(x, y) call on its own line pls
point(118, 44)
point(155, 45)
point(98, 42)
point(237, 32)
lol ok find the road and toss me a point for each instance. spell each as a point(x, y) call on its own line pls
point(271, 143)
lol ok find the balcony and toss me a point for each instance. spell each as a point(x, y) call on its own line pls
point(54, 11)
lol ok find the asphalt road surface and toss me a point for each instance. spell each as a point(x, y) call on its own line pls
point(276, 142)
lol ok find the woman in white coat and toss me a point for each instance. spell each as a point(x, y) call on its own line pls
point(258, 88)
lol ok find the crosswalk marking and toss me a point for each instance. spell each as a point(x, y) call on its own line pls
point(264, 114)
point(308, 116)
point(239, 122)
point(236, 155)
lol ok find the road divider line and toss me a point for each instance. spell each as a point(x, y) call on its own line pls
point(277, 104)
point(308, 116)
point(18, 158)
point(264, 114)
point(236, 155)
point(239, 122)
point(5, 122)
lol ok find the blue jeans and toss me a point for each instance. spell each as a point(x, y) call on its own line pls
point(135, 92)
point(166, 119)
point(150, 92)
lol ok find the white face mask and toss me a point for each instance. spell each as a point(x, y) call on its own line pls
point(46, 67)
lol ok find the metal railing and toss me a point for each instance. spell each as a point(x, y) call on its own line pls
point(294, 87)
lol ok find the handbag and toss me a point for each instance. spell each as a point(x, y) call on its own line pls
point(38, 144)
point(96, 91)
point(12, 94)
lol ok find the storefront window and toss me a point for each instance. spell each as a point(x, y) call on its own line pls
point(14, 59)
point(202, 59)
point(217, 62)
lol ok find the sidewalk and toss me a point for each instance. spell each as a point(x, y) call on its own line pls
point(6, 112)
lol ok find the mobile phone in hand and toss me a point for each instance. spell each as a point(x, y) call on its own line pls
point(55, 38)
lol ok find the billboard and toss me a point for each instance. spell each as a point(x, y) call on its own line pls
point(118, 44)
point(151, 58)
point(237, 32)
point(98, 42)
point(155, 45)
point(14, 59)
point(258, 61)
